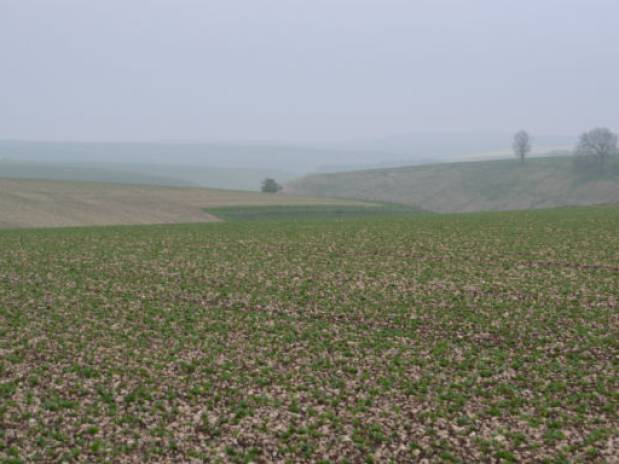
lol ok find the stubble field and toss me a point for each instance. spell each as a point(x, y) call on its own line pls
point(463, 338)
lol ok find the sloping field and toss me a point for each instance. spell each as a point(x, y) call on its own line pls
point(437, 338)
point(472, 186)
point(38, 203)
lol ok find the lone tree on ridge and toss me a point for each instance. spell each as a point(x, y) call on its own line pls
point(522, 145)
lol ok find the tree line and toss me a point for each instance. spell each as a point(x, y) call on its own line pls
point(594, 148)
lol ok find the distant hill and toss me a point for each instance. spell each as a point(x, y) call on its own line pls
point(270, 159)
point(39, 203)
point(472, 186)
point(85, 173)
point(150, 174)
point(243, 166)
point(227, 166)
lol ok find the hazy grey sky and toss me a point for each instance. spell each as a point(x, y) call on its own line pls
point(298, 70)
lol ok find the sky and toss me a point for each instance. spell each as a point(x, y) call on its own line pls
point(304, 70)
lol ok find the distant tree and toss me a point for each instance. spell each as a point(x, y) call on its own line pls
point(270, 186)
point(522, 144)
point(597, 144)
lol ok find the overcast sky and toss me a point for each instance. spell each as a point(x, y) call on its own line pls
point(304, 70)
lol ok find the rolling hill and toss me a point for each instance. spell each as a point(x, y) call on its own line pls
point(238, 166)
point(472, 186)
point(48, 203)
point(231, 166)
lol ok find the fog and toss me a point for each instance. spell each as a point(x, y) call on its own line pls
point(296, 71)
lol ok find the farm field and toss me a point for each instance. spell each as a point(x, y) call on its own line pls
point(487, 337)
point(45, 203)
point(302, 212)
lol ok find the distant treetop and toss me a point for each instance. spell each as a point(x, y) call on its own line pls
point(270, 186)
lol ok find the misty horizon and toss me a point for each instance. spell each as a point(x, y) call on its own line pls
point(317, 143)
point(318, 73)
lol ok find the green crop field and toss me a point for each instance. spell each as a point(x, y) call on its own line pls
point(434, 338)
point(304, 212)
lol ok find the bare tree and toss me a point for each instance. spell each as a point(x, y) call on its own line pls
point(522, 144)
point(599, 144)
